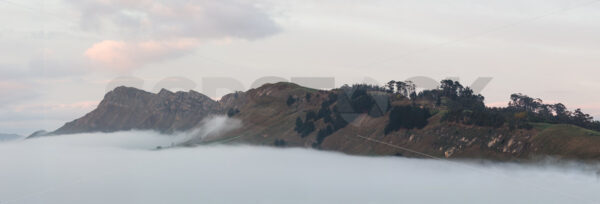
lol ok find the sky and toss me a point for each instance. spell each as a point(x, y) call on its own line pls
point(59, 57)
point(127, 168)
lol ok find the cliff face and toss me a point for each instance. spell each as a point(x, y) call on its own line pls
point(129, 108)
point(270, 115)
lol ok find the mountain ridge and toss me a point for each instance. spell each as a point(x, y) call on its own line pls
point(350, 120)
point(126, 108)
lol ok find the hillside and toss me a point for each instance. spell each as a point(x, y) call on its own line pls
point(9, 137)
point(354, 120)
point(268, 120)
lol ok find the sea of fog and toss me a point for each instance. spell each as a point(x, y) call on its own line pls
point(125, 167)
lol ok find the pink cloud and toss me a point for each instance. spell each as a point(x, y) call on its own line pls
point(174, 27)
point(123, 55)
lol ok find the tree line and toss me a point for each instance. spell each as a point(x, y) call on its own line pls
point(458, 104)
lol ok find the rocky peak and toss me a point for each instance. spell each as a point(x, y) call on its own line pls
point(126, 108)
point(164, 92)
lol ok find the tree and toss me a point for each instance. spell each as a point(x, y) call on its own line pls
point(311, 115)
point(290, 100)
point(411, 89)
point(309, 127)
point(299, 124)
point(524, 102)
point(231, 112)
point(581, 118)
point(361, 101)
point(561, 112)
point(466, 92)
point(407, 117)
point(323, 133)
point(401, 88)
point(279, 143)
point(450, 88)
point(390, 86)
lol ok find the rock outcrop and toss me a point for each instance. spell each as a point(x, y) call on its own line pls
point(129, 108)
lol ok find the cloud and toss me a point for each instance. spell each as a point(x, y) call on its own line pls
point(124, 167)
point(212, 127)
point(126, 55)
point(49, 66)
point(167, 28)
point(43, 64)
point(12, 91)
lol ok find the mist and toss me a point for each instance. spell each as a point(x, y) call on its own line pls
point(126, 167)
point(210, 127)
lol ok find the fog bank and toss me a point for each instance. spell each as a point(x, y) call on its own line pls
point(125, 167)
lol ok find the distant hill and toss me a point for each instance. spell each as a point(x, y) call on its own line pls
point(449, 122)
point(8, 137)
point(39, 133)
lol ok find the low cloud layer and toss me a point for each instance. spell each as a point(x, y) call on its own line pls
point(152, 30)
point(126, 168)
point(212, 127)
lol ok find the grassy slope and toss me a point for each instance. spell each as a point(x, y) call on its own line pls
point(267, 117)
point(567, 141)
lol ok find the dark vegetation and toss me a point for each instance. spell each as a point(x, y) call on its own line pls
point(466, 107)
point(361, 98)
point(232, 111)
point(529, 109)
point(279, 143)
point(290, 100)
point(407, 117)
point(304, 128)
point(330, 116)
point(463, 106)
point(458, 104)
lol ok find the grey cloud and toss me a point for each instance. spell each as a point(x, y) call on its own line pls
point(149, 31)
point(178, 19)
point(54, 68)
point(42, 67)
point(19, 83)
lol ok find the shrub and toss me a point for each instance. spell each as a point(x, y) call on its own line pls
point(408, 117)
point(290, 100)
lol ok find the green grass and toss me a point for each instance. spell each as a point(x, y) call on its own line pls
point(568, 141)
point(541, 126)
point(563, 130)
